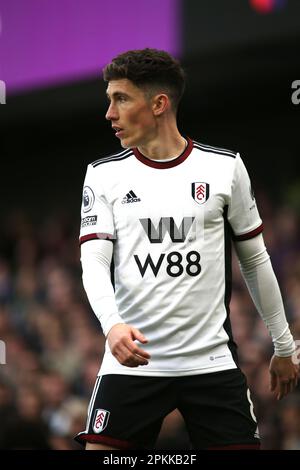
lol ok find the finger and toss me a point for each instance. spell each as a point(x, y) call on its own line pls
point(283, 389)
point(286, 389)
point(129, 354)
point(141, 361)
point(135, 355)
point(280, 390)
point(135, 361)
point(289, 387)
point(280, 394)
point(294, 383)
point(130, 363)
point(273, 381)
point(128, 347)
point(136, 350)
point(139, 336)
point(297, 374)
point(122, 354)
point(130, 360)
point(121, 357)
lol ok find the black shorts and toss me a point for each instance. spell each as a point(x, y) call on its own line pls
point(127, 411)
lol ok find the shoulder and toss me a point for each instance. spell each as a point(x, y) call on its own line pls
point(215, 150)
point(108, 168)
point(113, 157)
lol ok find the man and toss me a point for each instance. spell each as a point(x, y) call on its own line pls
point(165, 209)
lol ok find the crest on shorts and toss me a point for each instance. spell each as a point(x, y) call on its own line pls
point(200, 192)
point(100, 420)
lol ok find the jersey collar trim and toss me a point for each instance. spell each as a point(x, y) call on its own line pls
point(162, 165)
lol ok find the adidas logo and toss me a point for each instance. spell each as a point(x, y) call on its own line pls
point(130, 197)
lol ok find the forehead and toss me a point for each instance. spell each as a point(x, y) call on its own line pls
point(123, 85)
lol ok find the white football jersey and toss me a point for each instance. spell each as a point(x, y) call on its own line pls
point(171, 223)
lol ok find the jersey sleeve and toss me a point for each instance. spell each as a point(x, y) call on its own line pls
point(96, 212)
point(242, 213)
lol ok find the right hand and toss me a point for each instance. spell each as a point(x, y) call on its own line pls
point(121, 339)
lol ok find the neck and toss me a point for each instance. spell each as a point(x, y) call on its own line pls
point(166, 144)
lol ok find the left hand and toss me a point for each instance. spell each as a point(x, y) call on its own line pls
point(284, 376)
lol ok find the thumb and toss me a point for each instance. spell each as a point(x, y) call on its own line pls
point(136, 334)
point(273, 381)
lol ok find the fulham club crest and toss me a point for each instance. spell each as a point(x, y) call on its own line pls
point(200, 192)
point(100, 420)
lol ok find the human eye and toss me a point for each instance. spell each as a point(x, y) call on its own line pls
point(122, 98)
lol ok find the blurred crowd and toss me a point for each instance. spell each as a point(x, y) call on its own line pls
point(51, 342)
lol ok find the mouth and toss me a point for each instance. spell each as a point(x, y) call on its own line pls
point(118, 131)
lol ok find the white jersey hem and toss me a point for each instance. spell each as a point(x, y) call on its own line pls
point(167, 373)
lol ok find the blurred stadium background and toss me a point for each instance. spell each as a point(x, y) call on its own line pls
point(241, 57)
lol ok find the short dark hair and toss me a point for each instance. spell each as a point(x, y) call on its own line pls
point(151, 70)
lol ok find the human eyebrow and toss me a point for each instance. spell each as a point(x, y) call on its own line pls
point(118, 94)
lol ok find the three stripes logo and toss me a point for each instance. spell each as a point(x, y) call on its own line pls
point(130, 197)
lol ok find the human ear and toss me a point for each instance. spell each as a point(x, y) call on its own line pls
point(160, 104)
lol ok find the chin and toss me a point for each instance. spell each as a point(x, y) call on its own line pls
point(126, 144)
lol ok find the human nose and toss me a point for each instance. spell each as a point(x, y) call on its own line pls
point(111, 113)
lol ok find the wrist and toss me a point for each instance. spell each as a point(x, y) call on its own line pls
point(113, 320)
